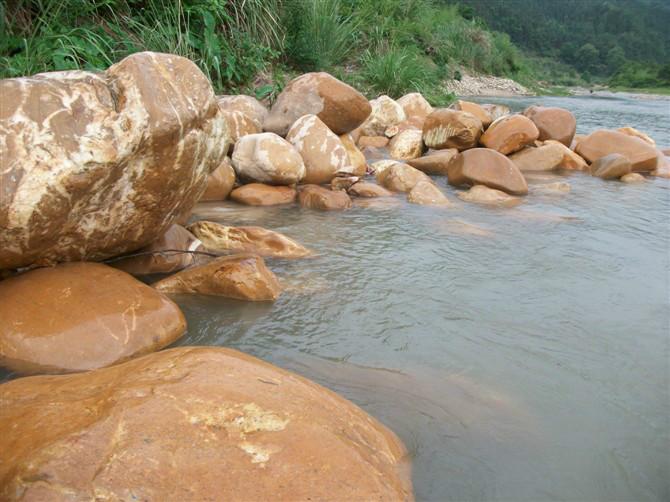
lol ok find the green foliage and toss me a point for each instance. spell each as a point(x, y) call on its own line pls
point(643, 76)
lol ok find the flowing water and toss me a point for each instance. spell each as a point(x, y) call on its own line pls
point(520, 354)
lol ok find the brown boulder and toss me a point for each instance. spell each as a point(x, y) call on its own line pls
point(94, 165)
point(553, 123)
point(343, 182)
point(631, 131)
point(267, 158)
point(258, 194)
point(611, 166)
point(483, 166)
point(571, 161)
point(475, 109)
point(481, 194)
point(316, 197)
point(322, 151)
point(256, 240)
point(240, 276)
point(409, 123)
point(426, 193)
point(435, 162)
point(356, 157)
point(406, 145)
point(399, 177)
point(248, 105)
point(220, 182)
point(385, 113)
point(192, 424)
point(240, 124)
point(373, 141)
point(547, 157)
point(642, 156)
point(80, 316)
point(368, 190)
point(510, 134)
point(341, 107)
point(170, 253)
point(446, 128)
point(415, 105)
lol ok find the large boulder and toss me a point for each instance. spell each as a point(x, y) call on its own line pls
point(248, 105)
point(240, 276)
point(475, 109)
point(268, 158)
point(642, 155)
point(407, 144)
point(98, 164)
point(399, 177)
point(445, 128)
point(553, 123)
point(257, 240)
point(385, 113)
point(483, 166)
point(323, 199)
point(192, 424)
point(415, 105)
point(259, 194)
point(172, 252)
point(220, 182)
point(356, 157)
point(426, 193)
point(510, 134)
point(435, 162)
point(611, 166)
point(80, 316)
point(341, 107)
point(547, 157)
point(322, 151)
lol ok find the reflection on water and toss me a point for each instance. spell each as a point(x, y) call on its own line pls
point(520, 353)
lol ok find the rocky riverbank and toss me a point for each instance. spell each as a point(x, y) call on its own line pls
point(100, 176)
point(486, 85)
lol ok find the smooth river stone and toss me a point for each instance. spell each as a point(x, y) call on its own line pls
point(257, 240)
point(642, 156)
point(426, 193)
point(192, 424)
point(553, 123)
point(81, 316)
point(445, 128)
point(510, 134)
point(259, 194)
point(483, 166)
point(323, 199)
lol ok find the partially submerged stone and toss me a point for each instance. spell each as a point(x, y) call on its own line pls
point(356, 157)
point(633, 178)
point(257, 240)
point(94, 165)
point(368, 190)
point(77, 317)
point(317, 197)
point(248, 105)
point(385, 112)
point(415, 105)
point(631, 131)
point(571, 161)
point(240, 276)
point(192, 423)
point(481, 194)
point(475, 109)
point(483, 166)
point(445, 128)
point(406, 145)
point(343, 182)
point(267, 158)
point(399, 177)
point(322, 151)
point(435, 162)
point(510, 134)
point(611, 166)
point(341, 107)
point(556, 187)
point(548, 157)
point(220, 182)
point(426, 193)
point(553, 123)
point(259, 194)
point(642, 155)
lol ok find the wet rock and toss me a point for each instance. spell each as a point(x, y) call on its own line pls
point(385, 113)
point(611, 166)
point(475, 109)
point(510, 134)
point(192, 423)
point(570, 161)
point(415, 105)
point(316, 197)
point(170, 253)
point(240, 276)
point(94, 165)
point(259, 194)
point(220, 182)
point(373, 141)
point(341, 107)
point(446, 128)
point(368, 190)
point(496, 111)
point(483, 166)
point(80, 316)
point(633, 178)
point(547, 157)
point(662, 167)
point(322, 151)
point(343, 182)
point(256, 240)
point(267, 158)
point(558, 124)
point(435, 162)
point(240, 125)
point(356, 157)
point(556, 187)
point(481, 194)
point(631, 131)
point(248, 105)
point(399, 177)
point(406, 145)
point(641, 155)
point(426, 193)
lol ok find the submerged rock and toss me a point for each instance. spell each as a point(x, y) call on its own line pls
point(510, 134)
point(368, 190)
point(633, 178)
point(192, 423)
point(445, 128)
point(642, 155)
point(556, 187)
point(259, 194)
point(553, 123)
point(316, 197)
point(77, 317)
point(94, 165)
point(341, 107)
point(241, 276)
point(220, 182)
point(385, 113)
point(256, 240)
point(426, 193)
point(435, 162)
point(343, 182)
point(399, 177)
point(483, 166)
point(267, 158)
point(481, 194)
point(611, 166)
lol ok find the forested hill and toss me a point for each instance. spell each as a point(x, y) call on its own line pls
point(617, 39)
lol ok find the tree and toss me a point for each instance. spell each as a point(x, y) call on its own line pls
point(587, 57)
